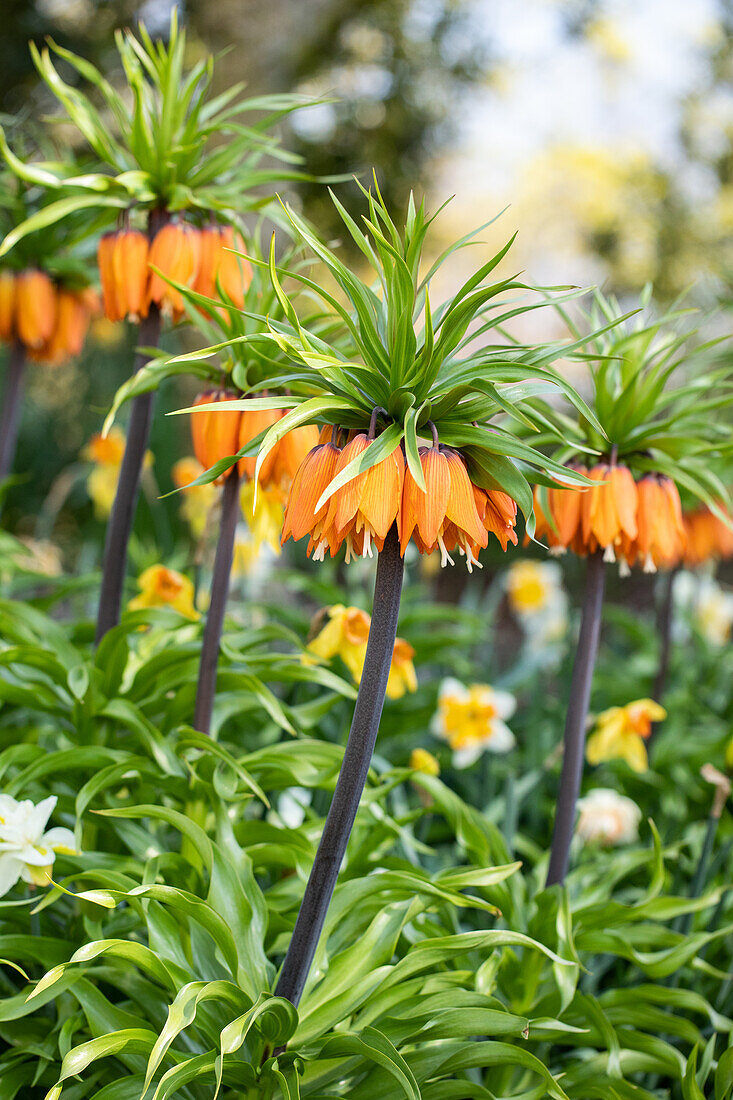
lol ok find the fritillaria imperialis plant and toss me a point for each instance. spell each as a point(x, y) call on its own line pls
point(409, 451)
point(46, 302)
point(178, 165)
point(658, 397)
point(221, 427)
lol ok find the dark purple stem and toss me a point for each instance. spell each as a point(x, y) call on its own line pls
point(10, 411)
point(206, 687)
point(353, 774)
point(576, 718)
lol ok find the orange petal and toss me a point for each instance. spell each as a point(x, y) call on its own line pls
point(461, 507)
point(430, 507)
point(380, 501)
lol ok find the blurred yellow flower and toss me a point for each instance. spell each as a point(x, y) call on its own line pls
point(471, 720)
point(264, 515)
point(106, 453)
point(197, 501)
point(345, 635)
point(162, 587)
point(423, 761)
point(620, 732)
point(605, 35)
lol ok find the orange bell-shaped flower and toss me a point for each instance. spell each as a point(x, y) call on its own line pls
point(661, 533)
point(362, 511)
point(250, 426)
point(131, 274)
point(315, 474)
point(175, 252)
point(72, 324)
point(215, 432)
point(221, 271)
point(498, 513)
point(609, 511)
point(7, 305)
point(290, 452)
point(35, 308)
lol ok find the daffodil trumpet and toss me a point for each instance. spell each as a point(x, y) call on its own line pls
point(11, 404)
point(576, 718)
point(121, 518)
point(353, 774)
point(206, 686)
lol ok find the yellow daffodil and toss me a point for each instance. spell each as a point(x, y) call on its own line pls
point(471, 720)
point(264, 515)
point(620, 732)
point(423, 761)
point(162, 587)
point(197, 501)
point(531, 586)
point(345, 634)
point(105, 453)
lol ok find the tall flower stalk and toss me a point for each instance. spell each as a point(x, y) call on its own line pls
point(353, 774)
point(654, 436)
point(181, 159)
point(12, 400)
point(576, 718)
point(413, 447)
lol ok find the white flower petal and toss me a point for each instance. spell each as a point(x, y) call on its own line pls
point(60, 840)
point(10, 869)
point(502, 739)
point(464, 758)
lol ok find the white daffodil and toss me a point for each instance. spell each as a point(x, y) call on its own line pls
point(708, 605)
point(607, 817)
point(27, 851)
point(471, 720)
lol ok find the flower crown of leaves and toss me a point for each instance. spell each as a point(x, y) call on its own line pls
point(450, 365)
point(163, 149)
point(661, 394)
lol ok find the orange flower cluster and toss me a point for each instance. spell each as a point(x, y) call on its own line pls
point(634, 522)
point(453, 514)
point(198, 258)
point(218, 434)
point(50, 321)
point(707, 538)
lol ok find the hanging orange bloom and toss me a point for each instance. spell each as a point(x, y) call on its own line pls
point(363, 510)
point(215, 433)
point(446, 516)
point(73, 313)
point(35, 306)
point(7, 305)
point(661, 532)
point(131, 273)
point(706, 537)
point(250, 426)
point(289, 454)
point(175, 251)
point(561, 525)
point(603, 517)
point(315, 474)
point(608, 511)
point(220, 269)
point(498, 513)
point(122, 258)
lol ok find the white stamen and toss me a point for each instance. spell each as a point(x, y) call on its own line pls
point(649, 566)
point(609, 554)
point(444, 555)
point(623, 568)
